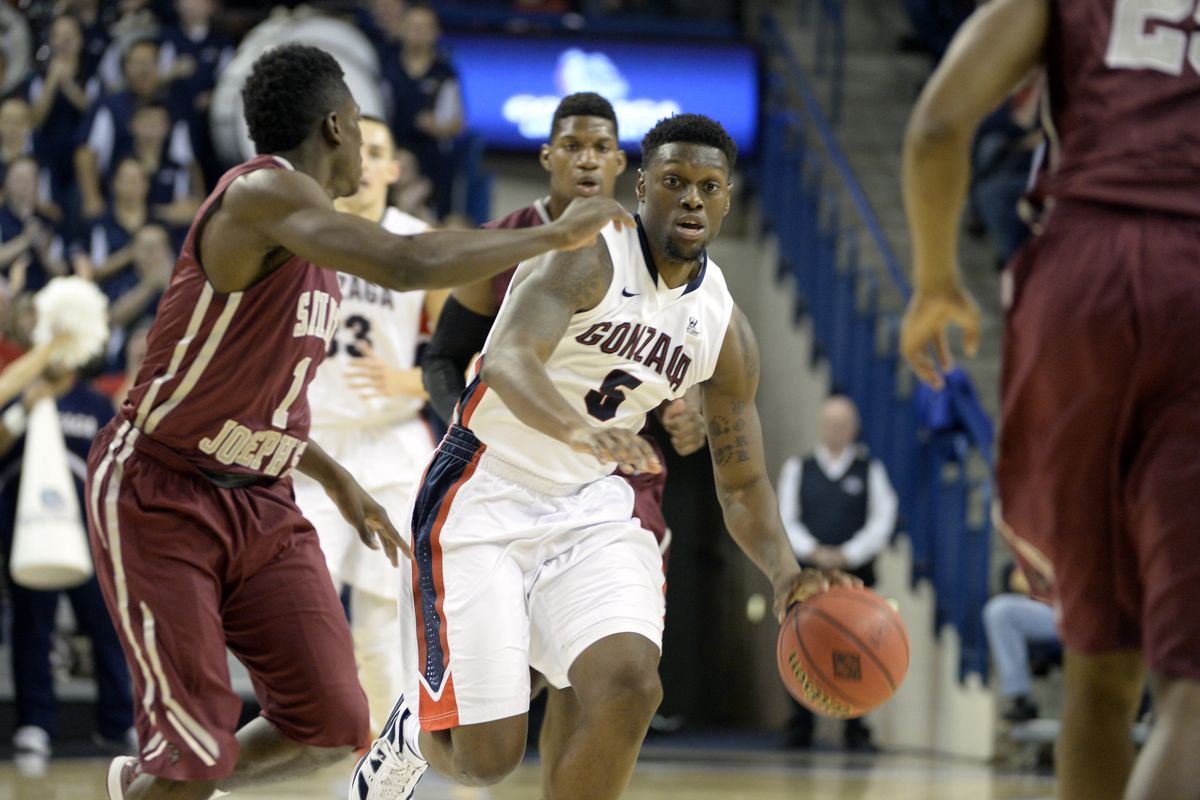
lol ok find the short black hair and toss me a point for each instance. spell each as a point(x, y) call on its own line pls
point(689, 129)
point(290, 90)
point(583, 104)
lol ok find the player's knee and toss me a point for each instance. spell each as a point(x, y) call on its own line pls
point(633, 690)
point(485, 762)
point(1105, 685)
point(995, 611)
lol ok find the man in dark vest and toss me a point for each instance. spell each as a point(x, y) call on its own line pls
point(840, 510)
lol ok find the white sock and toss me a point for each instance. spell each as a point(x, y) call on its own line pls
point(410, 729)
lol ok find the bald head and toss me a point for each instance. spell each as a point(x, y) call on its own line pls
point(839, 423)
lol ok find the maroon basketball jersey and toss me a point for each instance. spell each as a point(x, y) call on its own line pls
point(527, 217)
point(1124, 98)
point(225, 376)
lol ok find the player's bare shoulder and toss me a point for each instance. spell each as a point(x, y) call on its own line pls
point(238, 245)
point(579, 277)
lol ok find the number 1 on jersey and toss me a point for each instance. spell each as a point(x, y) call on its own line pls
point(602, 404)
point(280, 418)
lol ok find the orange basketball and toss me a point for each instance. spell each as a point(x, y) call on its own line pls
point(843, 652)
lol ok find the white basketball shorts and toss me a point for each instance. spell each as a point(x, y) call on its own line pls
point(387, 461)
point(510, 573)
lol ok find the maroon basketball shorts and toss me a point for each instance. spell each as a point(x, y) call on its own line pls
point(1099, 467)
point(187, 569)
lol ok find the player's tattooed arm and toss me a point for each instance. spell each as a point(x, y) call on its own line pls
point(533, 321)
point(291, 210)
point(739, 465)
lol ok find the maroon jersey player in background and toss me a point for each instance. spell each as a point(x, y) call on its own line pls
point(197, 540)
point(1099, 463)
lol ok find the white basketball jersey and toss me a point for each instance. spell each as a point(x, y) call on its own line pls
point(390, 323)
point(642, 344)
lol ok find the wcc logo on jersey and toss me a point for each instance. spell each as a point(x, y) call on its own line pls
point(643, 344)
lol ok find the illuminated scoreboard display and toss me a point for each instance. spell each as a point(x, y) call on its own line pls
point(512, 85)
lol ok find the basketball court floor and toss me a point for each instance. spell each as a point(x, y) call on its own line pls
point(662, 775)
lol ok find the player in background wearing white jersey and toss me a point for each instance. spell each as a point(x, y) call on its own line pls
point(524, 551)
point(366, 402)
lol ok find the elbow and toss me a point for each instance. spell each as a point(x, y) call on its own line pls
point(493, 370)
point(930, 130)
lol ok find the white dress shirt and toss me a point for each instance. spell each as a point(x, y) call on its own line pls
point(868, 541)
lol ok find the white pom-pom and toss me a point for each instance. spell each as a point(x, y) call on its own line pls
point(76, 310)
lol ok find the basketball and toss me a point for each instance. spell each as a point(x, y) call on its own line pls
point(843, 652)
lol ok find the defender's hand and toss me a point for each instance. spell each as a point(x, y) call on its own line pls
point(367, 517)
point(632, 453)
point(927, 322)
point(585, 217)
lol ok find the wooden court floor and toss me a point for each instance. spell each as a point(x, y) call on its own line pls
point(809, 777)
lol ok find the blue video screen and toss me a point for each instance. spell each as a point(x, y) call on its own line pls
point(511, 85)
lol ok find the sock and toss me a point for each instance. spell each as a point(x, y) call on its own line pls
point(410, 729)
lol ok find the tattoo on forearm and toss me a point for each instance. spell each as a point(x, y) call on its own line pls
point(729, 445)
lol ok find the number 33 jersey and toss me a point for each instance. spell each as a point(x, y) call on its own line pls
point(387, 322)
point(643, 344)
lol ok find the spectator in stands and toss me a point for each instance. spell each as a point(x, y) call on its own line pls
point(1013, 621)
point(176, 190)
point(1001, 160)
point(60, 96)
point(31, 251)
point(383, 22)
point(135, 353)
point(194, 53)
point(82, 412)
point(934, 23)
point(127, 22)
point(105, 255)
point(106, 135)
point(152, 259)
point(427, 102)
point(413, 192)
point(16, 128)
point(839, 509)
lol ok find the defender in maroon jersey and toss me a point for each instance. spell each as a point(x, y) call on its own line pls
point(584, 159)
point(197, 540)
point(1098, 468)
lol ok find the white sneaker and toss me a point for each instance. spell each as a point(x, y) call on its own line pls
point(122, 771)
point(32, 740)
point(390, 769)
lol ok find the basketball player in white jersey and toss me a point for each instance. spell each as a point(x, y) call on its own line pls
point(523, 548)
point(374, 428)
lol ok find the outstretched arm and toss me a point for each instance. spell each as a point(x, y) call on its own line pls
point(989, 56)
point(290, 208)
point(536, 316)
point(739, 465)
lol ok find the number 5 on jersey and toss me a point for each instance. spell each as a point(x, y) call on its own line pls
point(602, 404)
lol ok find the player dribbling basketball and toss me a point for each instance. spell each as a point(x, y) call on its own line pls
point(524, 550)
